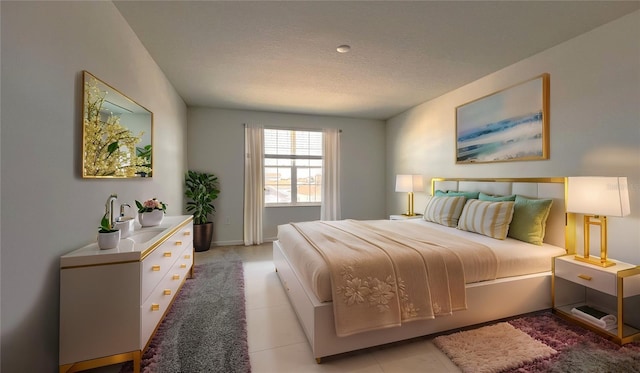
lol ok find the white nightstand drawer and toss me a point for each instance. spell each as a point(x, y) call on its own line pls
point(594, 278)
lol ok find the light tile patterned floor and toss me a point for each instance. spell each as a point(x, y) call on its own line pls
point(278, 344)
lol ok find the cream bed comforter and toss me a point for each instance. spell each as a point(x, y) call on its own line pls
point(489, 260)
point(384, 274)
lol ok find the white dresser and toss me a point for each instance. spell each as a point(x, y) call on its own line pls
point(111, 301)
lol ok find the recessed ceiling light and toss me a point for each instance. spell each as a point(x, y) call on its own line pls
point(343, 48)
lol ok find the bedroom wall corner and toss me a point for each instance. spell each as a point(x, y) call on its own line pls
point(47, 209)
point(216, 143)
point(594, 124)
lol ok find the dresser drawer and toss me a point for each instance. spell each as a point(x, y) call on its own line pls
point(594, 278)
point(161, 296)
point(156, 265)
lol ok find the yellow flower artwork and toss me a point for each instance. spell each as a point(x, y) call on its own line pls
point(109, 147)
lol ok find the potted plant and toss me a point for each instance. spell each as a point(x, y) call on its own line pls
point(108, 237)
point(202, 189)
point(151, 212)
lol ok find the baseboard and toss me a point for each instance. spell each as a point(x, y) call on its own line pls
point(237, 242)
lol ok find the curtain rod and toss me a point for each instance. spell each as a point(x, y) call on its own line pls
point(294, 129)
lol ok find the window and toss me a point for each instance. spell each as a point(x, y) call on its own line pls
point(292, 167)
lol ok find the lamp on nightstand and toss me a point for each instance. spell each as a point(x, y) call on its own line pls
point(409, 184)
point(597, 198)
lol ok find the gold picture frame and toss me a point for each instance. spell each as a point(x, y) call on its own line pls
point(508, 125)
point(117, 133)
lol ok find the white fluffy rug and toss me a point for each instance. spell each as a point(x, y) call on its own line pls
point(492, 348)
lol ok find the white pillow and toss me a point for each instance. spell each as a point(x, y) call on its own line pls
point(488, 218)
point(444, 210)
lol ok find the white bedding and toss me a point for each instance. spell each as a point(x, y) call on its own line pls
point(514, 257)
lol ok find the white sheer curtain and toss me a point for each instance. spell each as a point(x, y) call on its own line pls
point(253, 184)
point(330, 209)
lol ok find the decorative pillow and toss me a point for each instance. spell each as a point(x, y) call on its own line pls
point(440, 193)
point(488, 197)
point(529, 219)
point(487, 218)
point(467, 195)
point(444, 210)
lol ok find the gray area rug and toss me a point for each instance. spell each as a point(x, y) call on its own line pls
point(205, 330)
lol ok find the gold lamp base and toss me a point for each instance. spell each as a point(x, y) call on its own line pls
point(410, 205)
point(595, 261)
point(600, 221)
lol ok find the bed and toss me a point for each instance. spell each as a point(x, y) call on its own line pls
point(519, 283)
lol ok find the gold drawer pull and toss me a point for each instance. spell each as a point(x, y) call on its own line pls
point(178, 243)
point(167, 292)
point(187, 233)
point(155, 307)
point(585, 277)
point(167, 254)
point(183, 265)
point(176, 277)
point(188, 256)
point(155, 268)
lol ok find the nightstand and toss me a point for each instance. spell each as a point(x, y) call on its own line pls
point(405, 217)
point(614, 290)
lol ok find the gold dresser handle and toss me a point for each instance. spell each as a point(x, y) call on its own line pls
point(187, 233)
point(155, 307)
point(167, 292)
point(188, 256)
point(155, 268)
point(178, 243)
point(183, 265)
point(167, 254)
point(176, 277)
point(585, 277)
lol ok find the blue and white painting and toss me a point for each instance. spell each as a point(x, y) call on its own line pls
point(505, 126)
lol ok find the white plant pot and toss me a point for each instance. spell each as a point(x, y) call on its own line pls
point(125, 226)
point(109, 240)
point(149, 219)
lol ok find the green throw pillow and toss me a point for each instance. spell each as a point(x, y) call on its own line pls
point(487, 197)
point(467, 195)
point(529, 219)
point(440, 193)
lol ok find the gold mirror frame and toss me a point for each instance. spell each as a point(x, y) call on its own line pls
point(117, 133)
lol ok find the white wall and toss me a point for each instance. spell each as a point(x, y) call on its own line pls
point(595, 123)
point(47, 209)
point(216, 144)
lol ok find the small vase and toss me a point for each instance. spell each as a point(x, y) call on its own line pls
point(108, 240)
point(149, 219)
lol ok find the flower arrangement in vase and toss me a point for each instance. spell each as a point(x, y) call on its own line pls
point(108, 237)
point(151, 212)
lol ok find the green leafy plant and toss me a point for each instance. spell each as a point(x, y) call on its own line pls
point(150, 205)
point(202, 189)
point(105, 225)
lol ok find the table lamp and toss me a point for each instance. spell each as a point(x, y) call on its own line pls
point(597, 198)
point(409, 184)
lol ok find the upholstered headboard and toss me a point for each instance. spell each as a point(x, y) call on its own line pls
point(546, 188)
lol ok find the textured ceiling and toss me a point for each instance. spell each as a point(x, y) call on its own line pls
point(281, 56)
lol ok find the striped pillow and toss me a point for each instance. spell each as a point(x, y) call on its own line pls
point(488, 218)
point(444, 210)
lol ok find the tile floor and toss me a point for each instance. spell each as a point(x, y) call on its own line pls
point(278, 344)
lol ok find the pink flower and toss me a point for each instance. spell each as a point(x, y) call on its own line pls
point(152, 203)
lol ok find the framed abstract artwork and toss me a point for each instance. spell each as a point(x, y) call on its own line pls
point(509, 125)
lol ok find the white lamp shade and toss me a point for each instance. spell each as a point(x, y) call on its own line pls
point(607, 196)
point(409, 183)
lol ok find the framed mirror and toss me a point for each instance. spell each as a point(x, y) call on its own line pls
point(117, 133)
